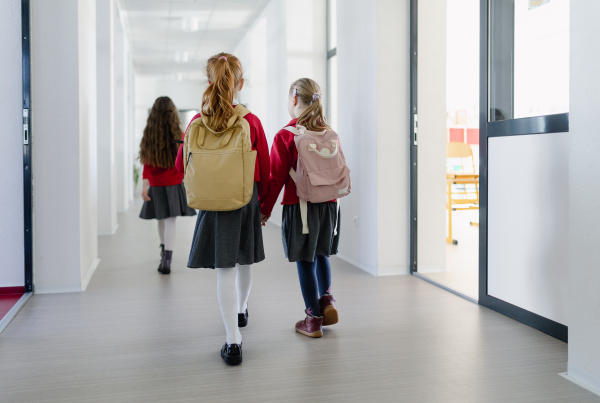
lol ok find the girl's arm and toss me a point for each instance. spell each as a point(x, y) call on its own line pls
point(264, 165)
point(179, 159)
point(281, 162)
point(146, 183)
point(145, 191)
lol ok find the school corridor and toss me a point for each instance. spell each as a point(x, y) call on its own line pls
point(459, 137)
point(137, 336)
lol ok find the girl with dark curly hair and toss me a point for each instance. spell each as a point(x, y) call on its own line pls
point(163, 191)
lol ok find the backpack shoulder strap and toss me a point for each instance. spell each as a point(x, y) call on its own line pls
point(292, 129)
point(241, 110)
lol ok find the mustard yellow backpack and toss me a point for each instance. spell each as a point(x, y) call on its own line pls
point(219, 166)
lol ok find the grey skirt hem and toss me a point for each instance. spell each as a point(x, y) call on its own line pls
point(226, 238)
point(320, 240)
point(166, 202)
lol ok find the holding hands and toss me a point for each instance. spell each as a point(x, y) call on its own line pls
point(264, 219)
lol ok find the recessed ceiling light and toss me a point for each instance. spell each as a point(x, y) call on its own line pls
point(181, 57)
point(189, 24)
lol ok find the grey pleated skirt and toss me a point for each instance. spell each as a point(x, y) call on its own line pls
point(165, 202)
point(226, 238)
point(320, 239)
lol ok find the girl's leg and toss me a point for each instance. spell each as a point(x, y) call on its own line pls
point(324, 275)
point(308, 284)
point(228, 301)
point(161, 231)
point(243, 284)
point(326, 302)
point(170, 231)
point(161, 234)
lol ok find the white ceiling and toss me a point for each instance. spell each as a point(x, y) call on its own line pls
point(154, 29)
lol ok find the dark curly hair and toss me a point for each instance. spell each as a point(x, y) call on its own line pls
point(157, 147)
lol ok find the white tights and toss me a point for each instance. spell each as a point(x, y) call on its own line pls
point(233, 289)
point(167, 231)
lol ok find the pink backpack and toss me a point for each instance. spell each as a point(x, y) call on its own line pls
point(322, 174)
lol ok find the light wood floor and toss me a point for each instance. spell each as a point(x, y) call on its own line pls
point(137, 336)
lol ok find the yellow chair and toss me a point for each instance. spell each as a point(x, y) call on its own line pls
point(462, 151)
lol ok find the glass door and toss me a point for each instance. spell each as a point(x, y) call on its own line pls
point(489, 154)
point(446, 145)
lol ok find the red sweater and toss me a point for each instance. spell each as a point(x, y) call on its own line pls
point(162, 176)
point(259, 143)
point(283, 157)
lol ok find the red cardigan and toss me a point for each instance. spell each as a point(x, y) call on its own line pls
point(283, 157)
point(259, 143)
point(162, 176)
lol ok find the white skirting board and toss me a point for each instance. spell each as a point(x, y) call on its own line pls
point(90, 272)
point(582, 378)
point(111, 232)
point(56, 289)
point(370, 270)
point(432, 269)
point(393, 271)
point(13, 311)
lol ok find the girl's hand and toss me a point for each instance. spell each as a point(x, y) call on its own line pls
point(145, 191)
point(264, 219)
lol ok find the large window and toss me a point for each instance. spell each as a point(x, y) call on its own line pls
point(332, 63)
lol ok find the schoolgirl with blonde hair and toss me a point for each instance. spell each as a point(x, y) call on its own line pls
point(230, 241)
point(308, 240)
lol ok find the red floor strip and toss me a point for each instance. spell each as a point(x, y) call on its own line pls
point(7, 301)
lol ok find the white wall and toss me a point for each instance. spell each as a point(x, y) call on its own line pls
point(11, 152)
point(62, 60)
point(357, 116)
point(107, 182)
point(431, 136)
point(528, 201)
point(393, 153)
point(88, 184)
point(584, 194)
point(123, 172)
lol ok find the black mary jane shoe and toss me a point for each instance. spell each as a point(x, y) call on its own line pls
point(232, 354)
point(243, 319)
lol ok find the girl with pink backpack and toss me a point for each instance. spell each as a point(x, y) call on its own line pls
point(306, 158)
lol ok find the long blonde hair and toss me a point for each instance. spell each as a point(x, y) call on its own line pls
point(225, 73)
point(309, 93)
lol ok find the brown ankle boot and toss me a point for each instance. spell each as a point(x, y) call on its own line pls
point(311, 326)
point(328, 310)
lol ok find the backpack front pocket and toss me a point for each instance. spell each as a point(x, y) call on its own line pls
point(329, 184)
point(215, 176)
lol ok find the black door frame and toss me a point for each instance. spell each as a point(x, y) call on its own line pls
point(526, 126)
point(27, 184)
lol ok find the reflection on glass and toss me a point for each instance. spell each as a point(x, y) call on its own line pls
point(332, 24)
point(541, 83)
point(529, 58)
